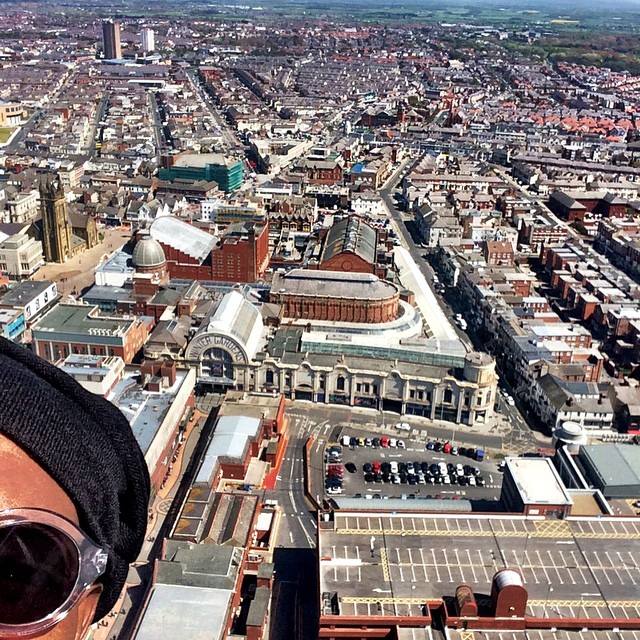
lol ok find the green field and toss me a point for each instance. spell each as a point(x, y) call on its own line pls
point(5, 133)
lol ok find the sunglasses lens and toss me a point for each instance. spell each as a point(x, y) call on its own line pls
point(38, 571)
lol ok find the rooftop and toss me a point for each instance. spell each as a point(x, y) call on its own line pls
point(419, 557)
point(183, 237)
point(614, 464)
point(24, 292)
point(351, 235)
point(178, 611)
point(202, 160)
point(80, 318)
point(333, 284)
point(537, 481)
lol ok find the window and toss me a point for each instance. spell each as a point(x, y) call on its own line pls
point(340, 383)
point(448, 395)
point(412, 394)
point(358, 387)
point(269, 376)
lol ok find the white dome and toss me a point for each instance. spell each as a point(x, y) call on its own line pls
point(148, 253)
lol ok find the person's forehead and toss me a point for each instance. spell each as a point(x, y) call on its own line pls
point(25, 484)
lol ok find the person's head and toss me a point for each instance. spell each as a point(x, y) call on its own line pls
point(74, 493)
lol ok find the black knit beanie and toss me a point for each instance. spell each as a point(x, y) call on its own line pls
point(87, 446)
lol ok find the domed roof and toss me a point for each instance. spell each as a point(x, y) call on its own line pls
point(148, 253)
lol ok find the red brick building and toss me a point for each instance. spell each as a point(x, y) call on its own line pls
point(240, 255)
point(498, 253)
point(350, 245)
point(323, 171)
point(335, 296)
point(80, 329)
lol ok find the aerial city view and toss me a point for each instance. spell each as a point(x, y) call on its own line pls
point(320, 320)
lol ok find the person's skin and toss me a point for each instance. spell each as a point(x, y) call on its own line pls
point(41, 491)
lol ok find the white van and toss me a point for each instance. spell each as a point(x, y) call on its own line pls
point(394, 466)
point(346, 440)
point(393, 442)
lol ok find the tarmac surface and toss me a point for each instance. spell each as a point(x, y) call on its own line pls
point(390, 564)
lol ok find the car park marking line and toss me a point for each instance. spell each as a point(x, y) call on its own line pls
point(554, 566)
point(435, 565)
point(384, 561)
point(472, 565)
point(424, 566)
point(383, 601)
point(589, 604)
point(399, 565)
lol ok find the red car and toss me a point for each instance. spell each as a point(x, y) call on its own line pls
point(335, 470)
point(447, 447)
point(384, 442)
point(377, 467)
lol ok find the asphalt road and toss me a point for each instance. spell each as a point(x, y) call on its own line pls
point(228, 134)
point(294, 608)
point(410, 243)
point(521, 438)
point(16, 143)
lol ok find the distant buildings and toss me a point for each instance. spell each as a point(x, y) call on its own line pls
point(227, 172)
point(11, 114)
point(111, 40)
point(148, 40)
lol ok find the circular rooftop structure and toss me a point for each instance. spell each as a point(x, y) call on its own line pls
point(148, 253)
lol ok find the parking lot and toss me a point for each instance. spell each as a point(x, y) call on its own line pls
point(569, 568)
point(387, 471)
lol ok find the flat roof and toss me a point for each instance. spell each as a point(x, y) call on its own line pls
point(24, 292)
point(614, 464)
point(145, 410)
point(230, 439)
point(537, 481)
point(80, 318)
point(569, 567)
point(177, 611)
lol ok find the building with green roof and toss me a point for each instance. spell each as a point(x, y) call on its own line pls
point(612, 468)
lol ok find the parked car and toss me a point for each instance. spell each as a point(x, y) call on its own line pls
point(384, 442)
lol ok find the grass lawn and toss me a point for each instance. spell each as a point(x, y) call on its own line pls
point(5, 132)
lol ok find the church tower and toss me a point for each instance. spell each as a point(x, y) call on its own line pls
point(56, 230)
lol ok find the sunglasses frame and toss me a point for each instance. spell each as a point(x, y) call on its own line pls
point(92, 562)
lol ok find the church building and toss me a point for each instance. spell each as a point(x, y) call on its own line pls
point(64, 234)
